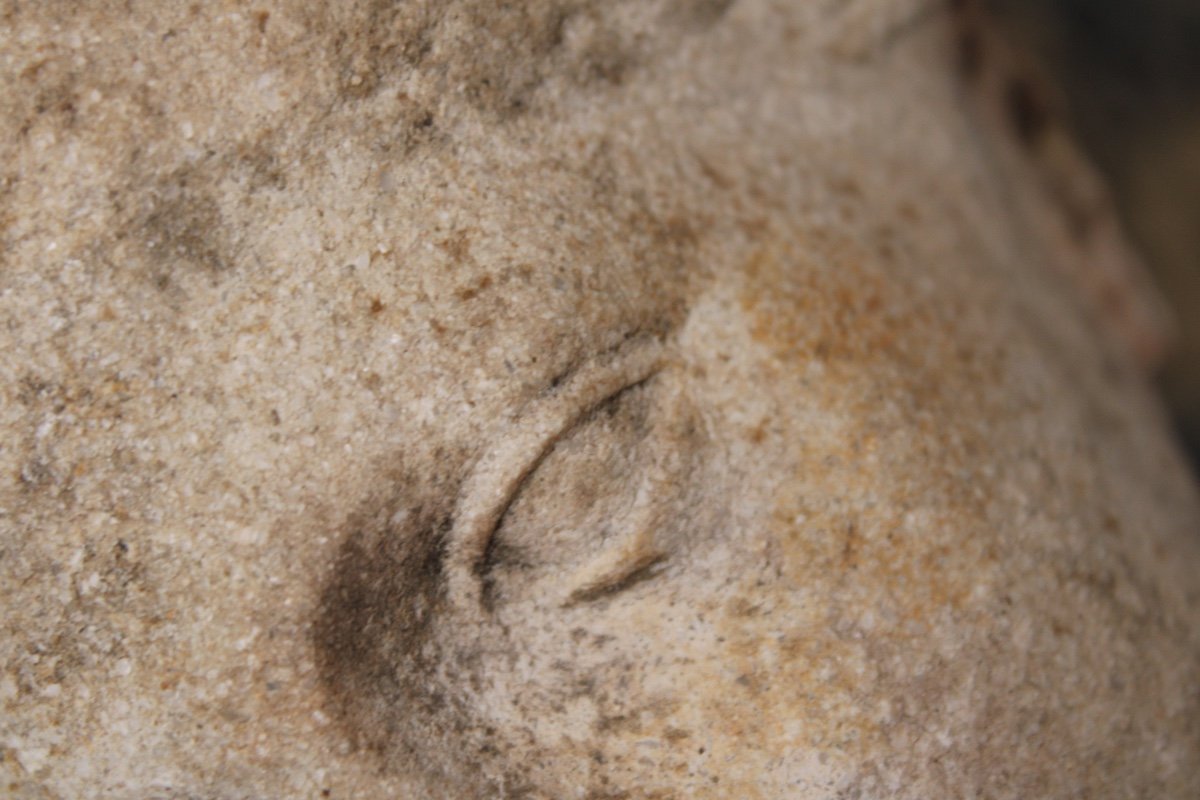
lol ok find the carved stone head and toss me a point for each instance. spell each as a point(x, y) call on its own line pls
point(681, 399)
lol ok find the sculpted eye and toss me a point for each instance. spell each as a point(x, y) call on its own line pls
point(569, 501)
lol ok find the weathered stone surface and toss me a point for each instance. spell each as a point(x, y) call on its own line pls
point(566, 400)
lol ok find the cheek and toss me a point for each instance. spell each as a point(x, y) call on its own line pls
point(865, 423)
point(724, 688)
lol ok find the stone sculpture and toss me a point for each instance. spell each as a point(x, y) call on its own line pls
point(564, 399)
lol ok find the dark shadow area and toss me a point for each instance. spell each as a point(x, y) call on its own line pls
point(1128, 74)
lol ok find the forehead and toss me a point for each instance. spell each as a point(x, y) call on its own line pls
point(541, 261)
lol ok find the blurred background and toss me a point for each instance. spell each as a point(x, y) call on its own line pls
point(1127, 73)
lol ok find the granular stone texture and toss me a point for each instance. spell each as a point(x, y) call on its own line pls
point(566, 399)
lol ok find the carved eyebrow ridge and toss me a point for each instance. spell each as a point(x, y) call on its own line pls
point(521, 445)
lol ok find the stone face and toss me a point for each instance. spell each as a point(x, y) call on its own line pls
point(566, 399)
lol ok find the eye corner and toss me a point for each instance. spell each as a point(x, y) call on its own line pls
point(609, 576)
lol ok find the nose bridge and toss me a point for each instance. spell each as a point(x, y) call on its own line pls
point(840, 639)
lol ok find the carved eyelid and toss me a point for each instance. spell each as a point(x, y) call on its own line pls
point(520, 447)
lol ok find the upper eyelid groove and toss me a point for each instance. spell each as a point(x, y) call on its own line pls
point(521, 445)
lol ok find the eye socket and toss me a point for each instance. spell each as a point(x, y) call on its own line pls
point(557, 486)
point(583, 523)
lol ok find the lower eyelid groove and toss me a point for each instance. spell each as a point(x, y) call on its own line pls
point(520, 447)
point(635, 554)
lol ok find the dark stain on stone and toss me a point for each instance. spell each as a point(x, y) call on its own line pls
point(1027, 112)
point(970, 54)
point(183, 232)
point(172, 230)
point(457, 246)
point(515, 47)
point(51, 95)
point(375, 39)
point(83, 633)
point(260, 18)
point(697, 15)
point(261, 165)
point(473, 291)
point(398, 666)
point(8, 188)
point(35, 474)
point(373, 636)
point(168, 225)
